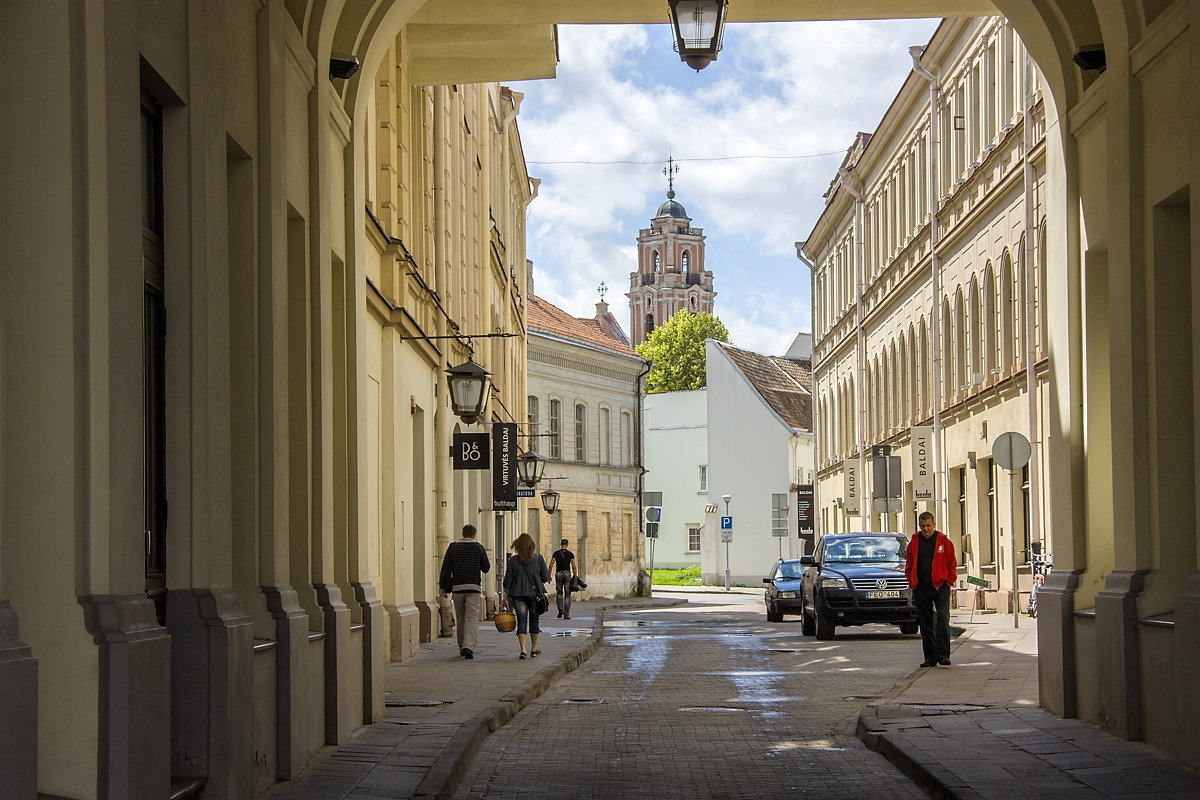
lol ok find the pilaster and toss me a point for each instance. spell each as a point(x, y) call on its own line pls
point(19, 699)
point(1057, 679)
point(374, 659)
point(338, 692)
point(292, 694)
point(1186, 653)
point(1119, 672)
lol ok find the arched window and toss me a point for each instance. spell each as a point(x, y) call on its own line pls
point(990, 323)
point(1020, 302)
point(693, 303)
point(924, 369)
point(533, 414)
point(649, 324)
point(686, 260)
point(1007, 315)
point(657, 261)
point(1041, 273)
point(975, 343)
point(946, 355)
point(555, 429)
point(959, 375)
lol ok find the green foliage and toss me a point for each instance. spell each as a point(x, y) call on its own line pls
point(689, 576)
point(677, 351)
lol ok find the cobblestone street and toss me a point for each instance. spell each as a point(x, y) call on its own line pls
point(704, 700)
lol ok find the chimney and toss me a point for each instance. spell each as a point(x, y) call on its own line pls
point(601, 310)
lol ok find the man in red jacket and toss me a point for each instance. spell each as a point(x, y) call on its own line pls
point(932, 569)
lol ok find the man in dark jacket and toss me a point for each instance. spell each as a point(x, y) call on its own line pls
point(462, 575)
point(931, 568)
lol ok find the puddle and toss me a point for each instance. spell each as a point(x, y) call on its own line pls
point(620, 638)
point(631, 623)
point(415, 703)
point(711, 708)
point(959, 708)
point(568, 633)
point(582, 701)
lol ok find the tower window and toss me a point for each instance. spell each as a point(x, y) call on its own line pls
point(657, 261)
point(686, 260)
point(649, 324)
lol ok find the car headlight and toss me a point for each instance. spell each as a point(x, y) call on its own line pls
point(833, 583)
point(787, 594)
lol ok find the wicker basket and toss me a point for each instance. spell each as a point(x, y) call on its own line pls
point(506, 621)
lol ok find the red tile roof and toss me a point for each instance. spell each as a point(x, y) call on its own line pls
point(604, 332)
point(785, 384)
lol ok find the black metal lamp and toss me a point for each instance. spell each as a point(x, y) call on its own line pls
point(699, 26)
point(550, 501)
point(469, 390)
point(530, 467)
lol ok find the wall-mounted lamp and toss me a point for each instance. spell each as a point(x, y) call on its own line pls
point(550, 501)
point(469, 390)
point(1090, 57)
point(698, 26)
point(342, 66)
point(530, 467)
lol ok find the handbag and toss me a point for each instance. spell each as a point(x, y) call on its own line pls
point(506, 621)
point(542, 604)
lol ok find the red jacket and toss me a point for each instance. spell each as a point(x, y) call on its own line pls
point(945, 566)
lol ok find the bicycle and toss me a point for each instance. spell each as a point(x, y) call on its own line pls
point(1040, 564)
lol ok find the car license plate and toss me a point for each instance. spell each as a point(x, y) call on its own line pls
point(884, 595)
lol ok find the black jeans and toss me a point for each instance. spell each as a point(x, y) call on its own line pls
point(933, 615)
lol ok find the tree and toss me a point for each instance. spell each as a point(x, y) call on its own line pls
point(677, 351)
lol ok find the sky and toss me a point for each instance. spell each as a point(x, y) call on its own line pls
point(792, 96)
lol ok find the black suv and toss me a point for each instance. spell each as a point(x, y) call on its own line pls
point(854, 579)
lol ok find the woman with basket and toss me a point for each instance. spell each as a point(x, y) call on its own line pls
point(525, 591)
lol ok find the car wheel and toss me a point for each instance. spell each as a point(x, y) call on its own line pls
point(908, 628)
point(824, 628)
point(807, 626)
point(772, 614)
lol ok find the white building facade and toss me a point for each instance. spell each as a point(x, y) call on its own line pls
point(760, 446)
point(676, 435)
point(939, 380)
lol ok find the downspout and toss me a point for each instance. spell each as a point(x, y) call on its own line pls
point(1035, 515)
point(860, 344)
point(935, 268)
point(816, 404)
point(638, 461)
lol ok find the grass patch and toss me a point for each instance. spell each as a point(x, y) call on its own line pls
point(689, 576)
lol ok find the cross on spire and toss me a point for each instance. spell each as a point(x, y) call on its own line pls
point(603, 289)
point(670, 170)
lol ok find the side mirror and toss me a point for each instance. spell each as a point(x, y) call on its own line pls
point(767, 580)
point(808, 561)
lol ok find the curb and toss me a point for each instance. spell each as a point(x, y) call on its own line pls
point(443, 778)
point(934, 779)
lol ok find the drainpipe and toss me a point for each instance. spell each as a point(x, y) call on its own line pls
point(935, 267)
point(639, 463)
point(444, 419)
point(812, 360)
point(1035, 515)
point(860, 348)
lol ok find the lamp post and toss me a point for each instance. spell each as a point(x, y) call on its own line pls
point(727, 498)
point(698, 26)
point(469, 390)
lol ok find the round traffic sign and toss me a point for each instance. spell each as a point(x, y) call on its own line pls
point(1011, 450)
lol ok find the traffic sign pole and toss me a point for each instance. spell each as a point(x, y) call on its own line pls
point(1012, 452)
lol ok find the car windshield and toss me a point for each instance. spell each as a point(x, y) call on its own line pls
point(788, 572)
point(858, 549)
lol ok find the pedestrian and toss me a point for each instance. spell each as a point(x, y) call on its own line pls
point(524, 580)
point(931, 568)
point(462, 575)
point(564, 570)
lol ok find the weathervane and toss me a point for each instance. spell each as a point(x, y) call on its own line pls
point(670, 170)
point(603, 289)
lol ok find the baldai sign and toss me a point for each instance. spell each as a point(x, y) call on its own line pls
point(921, 451)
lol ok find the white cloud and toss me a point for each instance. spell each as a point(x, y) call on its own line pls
point(621, 95)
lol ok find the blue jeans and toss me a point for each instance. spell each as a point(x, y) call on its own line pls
point(527, 616)
point(562, 593)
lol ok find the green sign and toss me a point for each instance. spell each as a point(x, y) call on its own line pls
point(979, 582)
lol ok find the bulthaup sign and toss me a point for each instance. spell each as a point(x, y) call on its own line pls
point(504, 466)
point(921, 450)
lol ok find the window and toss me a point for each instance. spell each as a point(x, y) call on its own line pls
point(649, 324)
point(693, 538)
point(555, 429)
point(533, 418)
point(703, 478)
point(1025, 521)
point(687, 261)
point(657, 261)
point(626, 439)
point(580, 431)
point(962, 508)
point(605, 437)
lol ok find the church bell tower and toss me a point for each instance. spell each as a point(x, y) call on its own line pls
point(671, 275)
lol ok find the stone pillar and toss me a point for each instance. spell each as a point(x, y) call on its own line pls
point(338, 694)
point(293, 695)
point(1187, 655)
point(1057, 680)
point(1119, 671)
point(18, 698)
point(374, 659)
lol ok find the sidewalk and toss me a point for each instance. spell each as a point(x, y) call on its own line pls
point(974, 730)
point(441, 707)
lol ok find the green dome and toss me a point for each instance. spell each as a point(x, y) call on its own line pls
point(672, 208)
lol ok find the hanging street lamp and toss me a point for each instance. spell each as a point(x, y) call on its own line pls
point(469, 390)
point(550, 501)
point(699, 26)
point(530, 467)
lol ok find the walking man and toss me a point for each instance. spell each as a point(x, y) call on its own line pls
point(931, 568)
point(462, 574)
point(564, 570)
